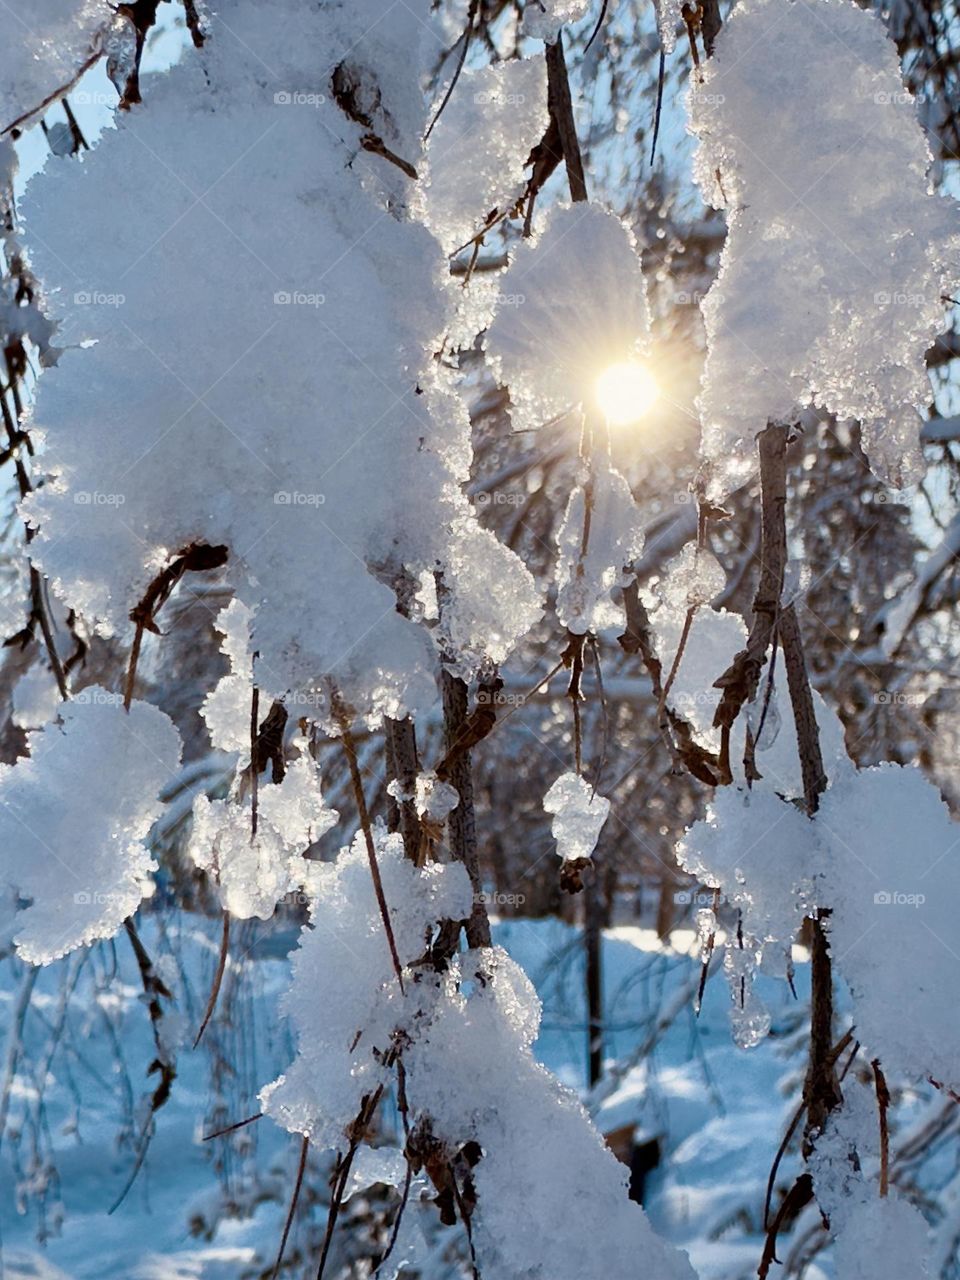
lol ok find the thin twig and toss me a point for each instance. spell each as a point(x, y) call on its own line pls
point(659, 107)
point(350, 751)
point(596, 29)
point(232, 1128)
point(465, 38)
point(51, 98)
point(781, 1152)
point(217, 977)
point(301, 1169)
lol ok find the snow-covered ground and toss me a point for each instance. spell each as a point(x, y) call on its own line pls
point(718, 1111)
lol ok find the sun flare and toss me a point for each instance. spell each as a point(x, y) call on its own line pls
point(626, 391)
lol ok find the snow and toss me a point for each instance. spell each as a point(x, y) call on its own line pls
point(35, 698)
point(254, 872)
point(777, 758)
point(542, 19)
point(883, 855)
point(474, 1023)
point(74, 815)
point(254, 869)
point(583, 308)
point(226, 708)
point(762, 853)
point(543, 1161)
point(345, 1002)
point(578, 816)
point(877, 1238)
point(434, 799)
point(669, 18)
point(690, 581)
point(838, 251)
point(479, 149)
point(590, 566)
point(43, 52)
point(892, 879)
point(718, 1135)
point(229, 366)
point(254, 302)
point(883, 1240)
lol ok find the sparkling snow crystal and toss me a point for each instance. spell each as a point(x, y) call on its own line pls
point(579, 814)
point(669, 18)
point(587, 574)
point(73, 818)
point(479, 149)
point(255, 871)
point(831, 278)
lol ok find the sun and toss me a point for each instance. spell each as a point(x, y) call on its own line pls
point(625, 391)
